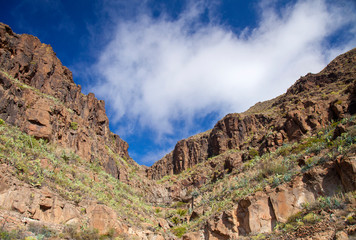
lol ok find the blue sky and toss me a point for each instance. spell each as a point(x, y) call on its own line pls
point(171, 69)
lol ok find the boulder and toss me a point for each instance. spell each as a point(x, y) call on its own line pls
point(103, 218)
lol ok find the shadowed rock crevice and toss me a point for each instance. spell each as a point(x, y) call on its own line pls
point(35, 122)
point(273, 215)
point(243, 216)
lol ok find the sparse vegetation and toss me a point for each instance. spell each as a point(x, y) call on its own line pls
point(24, 152)
point(22, 85)
point(271, 169)
point(72, 179)
point(179, 231)
point(74, 125)
point(253, 153)
point(10, 235)
point(247, 174)
point(311, 218)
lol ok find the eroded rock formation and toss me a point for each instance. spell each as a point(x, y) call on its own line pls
point(260, 212)
point(37, 93)
point(310, 104)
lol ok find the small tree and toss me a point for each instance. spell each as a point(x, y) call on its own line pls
point(194, 194)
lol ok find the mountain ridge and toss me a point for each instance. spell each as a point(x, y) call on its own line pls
point(280, 170)
point(182, 151)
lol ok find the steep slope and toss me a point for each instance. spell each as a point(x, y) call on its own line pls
point(57, 149)
point(46, 103)
point(310, 104)
point(284, 169)
point(272, 167)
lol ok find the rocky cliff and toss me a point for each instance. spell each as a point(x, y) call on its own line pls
point(271, 168)
point(38, 94)
point(310, 104)
point(54, 164)
point(284, 169)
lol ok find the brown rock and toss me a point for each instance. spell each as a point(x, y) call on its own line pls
point(196, 213)
point(19, 205)
point(341, 235)
point(163, 223)
point(104, 218)
point(189, 152)
point(340, 129)
point(223, 226)
point(232, 130)
point(193, 236)
point(346, 168)
point(287, 200)
point(46, 103)
point(260, 219)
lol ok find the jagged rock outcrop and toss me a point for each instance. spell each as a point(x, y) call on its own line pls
point(161, 168)
point(187, 153)
point(43, 206)
point(37, 94)
point(310, 104)
point(260, 212)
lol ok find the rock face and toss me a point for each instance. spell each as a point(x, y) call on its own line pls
point(187, 153)
point(103, 218)
point(260, 212)
point(310, 104)
point(37, 94)
point(48, 208)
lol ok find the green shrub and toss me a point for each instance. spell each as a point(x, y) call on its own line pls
point(175, 220)
point(109, 235)
point(178, 204)
point(249, 164)
point(276, 180)
point(311, 218)
point(2, 122)
point(74, 125)
point(259, 237)
point(276, 167)
point(14, 234)
point(284, 150)
point(287, 177)
point(310, 161)
point(31, 238)
point(300, 224)
point(179, 231)
point(82, 234)
point(182, 212)
point(350, 220)
point(253, 153)
point(295, 217)
point(289, 227)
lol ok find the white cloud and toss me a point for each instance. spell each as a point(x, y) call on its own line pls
point(159, 71)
